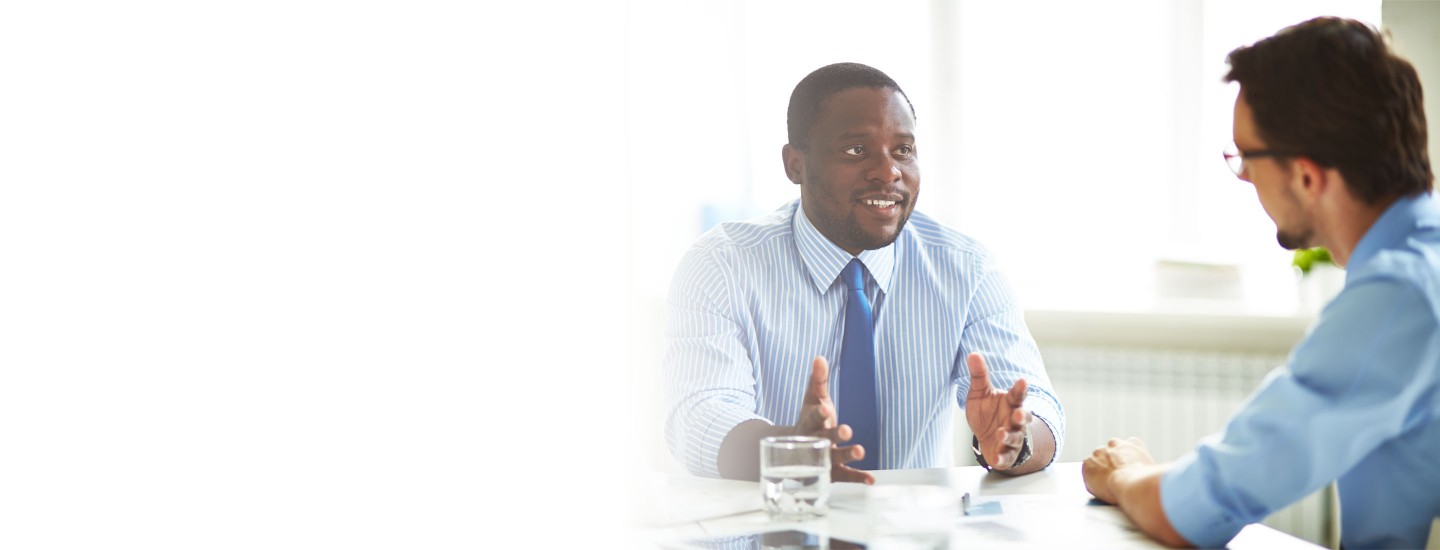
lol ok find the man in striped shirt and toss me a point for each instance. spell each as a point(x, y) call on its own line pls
point(757, 307)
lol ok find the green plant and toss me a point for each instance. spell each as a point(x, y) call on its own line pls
point(1306, 258)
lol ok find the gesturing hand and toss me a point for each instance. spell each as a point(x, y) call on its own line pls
point(997, 417)
point(818, 418)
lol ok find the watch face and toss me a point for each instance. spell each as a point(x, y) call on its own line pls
point(1019, 458)
point(1024, 453)
point(1024, 449)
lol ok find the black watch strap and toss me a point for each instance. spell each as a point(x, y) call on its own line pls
point(1019, 459)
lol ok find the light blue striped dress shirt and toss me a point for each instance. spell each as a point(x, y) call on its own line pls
point(1359, 400)
point(753, 303)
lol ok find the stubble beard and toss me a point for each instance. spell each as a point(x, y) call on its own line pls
point(848, 228)
point(865, 241)
point(1292, 241)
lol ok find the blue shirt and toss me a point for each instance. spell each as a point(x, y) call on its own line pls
point(754, 302)
point(1359, 400)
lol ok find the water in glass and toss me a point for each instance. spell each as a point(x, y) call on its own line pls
point(796, 492)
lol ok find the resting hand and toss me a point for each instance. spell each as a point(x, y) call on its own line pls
point(1115, 456)
point(997, 417)
point(818, 418)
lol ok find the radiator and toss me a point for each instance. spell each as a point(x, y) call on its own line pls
point(1170, 398)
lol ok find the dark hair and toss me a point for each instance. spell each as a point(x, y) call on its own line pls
point(1332, 89)
point(812, 91)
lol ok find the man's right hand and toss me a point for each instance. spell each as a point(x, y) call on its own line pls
point(1115, 458)
point(818, 418)
point(740, 451)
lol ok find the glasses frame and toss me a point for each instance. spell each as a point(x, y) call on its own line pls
point(1245, 156)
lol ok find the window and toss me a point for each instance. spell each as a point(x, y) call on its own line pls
point(1080, 141)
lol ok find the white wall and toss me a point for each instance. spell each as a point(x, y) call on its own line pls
point(310, 273)
point(1415, 29)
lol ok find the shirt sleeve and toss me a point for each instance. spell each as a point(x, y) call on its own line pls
point(709, 377)
point(996, 330)
point(1346, 390)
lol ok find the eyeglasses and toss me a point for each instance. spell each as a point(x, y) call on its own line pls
point(1236, 159)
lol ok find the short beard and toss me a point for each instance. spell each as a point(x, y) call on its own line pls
point(864, 241)
point(1292, 241)
point(850, 232)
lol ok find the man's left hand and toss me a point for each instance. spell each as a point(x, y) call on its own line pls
point(997, 417)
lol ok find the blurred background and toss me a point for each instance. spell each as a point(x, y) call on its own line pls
point(1080, 141)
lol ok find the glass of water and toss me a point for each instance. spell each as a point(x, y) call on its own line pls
point(795, 476)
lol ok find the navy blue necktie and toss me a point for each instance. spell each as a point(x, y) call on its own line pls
point(857, 406)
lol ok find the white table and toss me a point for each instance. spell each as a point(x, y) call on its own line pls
point(1046, 509)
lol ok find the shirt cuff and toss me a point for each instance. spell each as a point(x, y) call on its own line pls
point(1049, 413)
point(713, 436)
point(1189, 503)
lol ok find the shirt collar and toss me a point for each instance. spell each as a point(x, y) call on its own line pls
point(1399, 220)
point(824, 260)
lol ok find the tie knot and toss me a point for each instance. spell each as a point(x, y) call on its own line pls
point(853, 275)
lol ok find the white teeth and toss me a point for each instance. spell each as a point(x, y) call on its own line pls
point(880, 203)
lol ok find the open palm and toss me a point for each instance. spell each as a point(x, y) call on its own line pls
point(997, 417)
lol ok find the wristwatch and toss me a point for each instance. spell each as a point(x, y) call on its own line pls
point(1019, 459)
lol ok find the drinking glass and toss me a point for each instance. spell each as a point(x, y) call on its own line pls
point(795, 477)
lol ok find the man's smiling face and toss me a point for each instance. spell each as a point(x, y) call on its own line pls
point(860, 177)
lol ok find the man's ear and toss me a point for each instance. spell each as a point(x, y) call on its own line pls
point(794, 161)
point(1314, 179)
